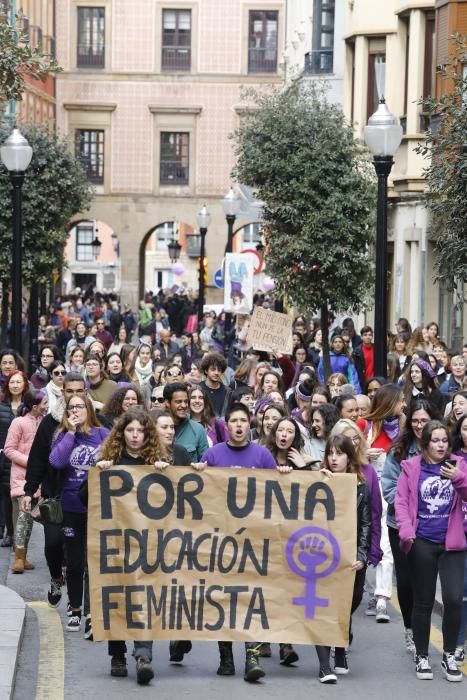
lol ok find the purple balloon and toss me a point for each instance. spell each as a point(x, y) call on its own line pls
point(178, 268)
point(268, 284)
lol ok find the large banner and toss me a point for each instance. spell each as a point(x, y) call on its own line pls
point(238, 283)
point(222, 554)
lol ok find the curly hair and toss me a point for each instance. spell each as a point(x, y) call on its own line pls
point(113, 407)
point(152, 450)
point(328, 413)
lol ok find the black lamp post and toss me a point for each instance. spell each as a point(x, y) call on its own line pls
point(231, 206)
point(382, 136)
point(16, 154)
point(96, 246)
point(203, 220)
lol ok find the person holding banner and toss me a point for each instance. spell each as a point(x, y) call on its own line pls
point(188, 433)
point(238, 451)
point(134, 440)
point(340, 457)
point(74, 450)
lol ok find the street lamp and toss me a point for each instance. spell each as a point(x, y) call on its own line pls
point(16, 154)
point(203, 219)
point(231, 205)
point(96, 245)
point(174, 249)
point(383, 136)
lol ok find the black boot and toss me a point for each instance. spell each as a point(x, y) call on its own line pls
point(288, 655)
point(226, 665)
point(253, 671)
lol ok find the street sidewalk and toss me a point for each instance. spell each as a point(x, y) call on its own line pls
point(12, 614)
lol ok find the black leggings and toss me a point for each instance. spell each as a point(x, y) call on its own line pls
point(53, 549)
point(403, 582)
point(426, 559)
point(74, 529)
point(7, 509)
point(325, 652)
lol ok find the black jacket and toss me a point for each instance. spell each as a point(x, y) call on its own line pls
point(39, 470)
point(359, 362)
point(6, 417)
point(363, 521)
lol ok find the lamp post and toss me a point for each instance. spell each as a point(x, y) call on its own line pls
point(382, 136)
point(96, 246)
point(174, 249)
point(16, 154)
point(203, 220)
point(231, 206)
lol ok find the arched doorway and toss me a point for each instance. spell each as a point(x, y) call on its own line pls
point(155, 266)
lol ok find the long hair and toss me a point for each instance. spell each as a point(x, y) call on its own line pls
point(400, 448)
point(274, 406)
point(428, 384)
point(344, 445)
point(428, 431)
point(344, 424)
point(452, 421)
point(383, 406)
point(457, 441)
point(208, 414)
point(297, 443)
point(30, 399)
point(6, 393)
point(244, 371)
point(152, 450)
point(91, 420)
point(280, 383)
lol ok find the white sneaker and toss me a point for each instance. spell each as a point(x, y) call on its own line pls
point(423, 669)
point(371, 607)
point(74, 623)
point(381, 611)
point(450, 670)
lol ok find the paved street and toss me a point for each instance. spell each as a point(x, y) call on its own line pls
point(54, 665)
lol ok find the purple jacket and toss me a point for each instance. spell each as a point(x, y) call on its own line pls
point(407, 504)
point(375, 553)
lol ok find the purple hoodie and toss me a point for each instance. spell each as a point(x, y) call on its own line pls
point(407, 505)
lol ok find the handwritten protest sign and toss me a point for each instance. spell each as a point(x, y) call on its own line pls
point(223, 554)
point(269, 331)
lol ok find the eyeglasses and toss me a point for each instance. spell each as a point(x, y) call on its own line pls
point(443, 441)
point(59, 373)
point(419, 421)
point(76, 407)
point(157, 399)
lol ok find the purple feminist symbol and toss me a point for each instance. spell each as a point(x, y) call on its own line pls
point(306, 554)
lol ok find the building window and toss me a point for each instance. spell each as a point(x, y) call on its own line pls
point(252, 235)
point(84, 239)
point(174, 163)
point(320, 59)
point(376, 81)
point(176, 40)
point(262, 42)
point(163, 235)
point(429, 70)
point(91, 37)
point(89, 148)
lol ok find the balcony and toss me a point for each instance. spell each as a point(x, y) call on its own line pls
point(91, 56)
point(319, 62)
point(262, 60)
point(176, 59)
point(193, 245)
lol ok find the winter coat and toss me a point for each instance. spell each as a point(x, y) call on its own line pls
point(363, 522)
point(39, 470)
point(407, 505)
point(375, 553)
point(341, 363)
point(6, 418)
point(389, 477)
point(17, 446)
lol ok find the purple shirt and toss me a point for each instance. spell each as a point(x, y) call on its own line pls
point(76, 453)
point(250, 456)
point(435, 498)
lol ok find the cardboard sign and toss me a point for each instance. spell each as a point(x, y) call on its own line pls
point(238, 283)
point(270, 330)
point(222, 554)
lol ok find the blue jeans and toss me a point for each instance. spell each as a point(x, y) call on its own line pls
point(461, 637)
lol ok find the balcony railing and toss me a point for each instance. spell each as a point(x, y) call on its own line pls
point(318, 62)
point(174, 173)
point(193, 245)
point(262, 60)
point(176, 58)
point(90, 56)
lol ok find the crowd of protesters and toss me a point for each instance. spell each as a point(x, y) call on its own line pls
point(117, 387)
